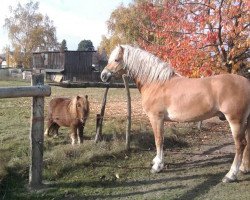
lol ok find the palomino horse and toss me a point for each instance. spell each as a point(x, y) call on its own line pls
point(166, 96)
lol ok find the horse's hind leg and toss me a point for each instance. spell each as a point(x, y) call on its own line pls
point(238, 131)
point(245, 165)
point(55, 129)
point(52, 129)
point(158, 128)
point(49, 127)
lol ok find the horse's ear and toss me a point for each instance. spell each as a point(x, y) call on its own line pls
point(121, 49)
point(86, 97)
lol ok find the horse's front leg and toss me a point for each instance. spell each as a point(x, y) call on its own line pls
point(73, 135)
point(158, 129)
point(80, 133)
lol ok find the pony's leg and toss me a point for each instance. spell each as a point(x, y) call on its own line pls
point(158, 128)
point(46, 132)
point(245, 165)
point(73, 135)
point(199, 125)
point(238, 132)
point(49, 126)
point(55, 130)
point(80, 133)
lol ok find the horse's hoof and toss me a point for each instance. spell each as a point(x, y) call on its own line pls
point(243, 170)
point(155, 160)
point(228, 180)
point(156, 169)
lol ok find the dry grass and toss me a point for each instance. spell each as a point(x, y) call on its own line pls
point(195, 161)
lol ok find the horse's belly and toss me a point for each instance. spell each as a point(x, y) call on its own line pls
point(61, 121)
point(188, 116)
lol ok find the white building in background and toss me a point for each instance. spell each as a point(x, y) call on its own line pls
point(4, 64)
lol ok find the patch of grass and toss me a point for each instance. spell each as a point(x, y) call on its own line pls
point(106, 170)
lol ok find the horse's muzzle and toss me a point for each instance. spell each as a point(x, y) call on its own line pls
point(106, 75)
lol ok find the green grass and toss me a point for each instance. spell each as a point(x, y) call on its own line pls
point(106, 170)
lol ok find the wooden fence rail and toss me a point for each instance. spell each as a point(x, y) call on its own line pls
point(38, 91)
point(25, 91)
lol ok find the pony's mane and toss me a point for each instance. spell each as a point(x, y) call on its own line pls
point(145, 66)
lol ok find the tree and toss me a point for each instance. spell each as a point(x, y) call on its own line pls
point(64, 46)
point(85, 45)
point(198, 37)
point(123, 26)
point(30, 31)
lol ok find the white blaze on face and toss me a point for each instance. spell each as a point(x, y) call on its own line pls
point(114, 54)
point(105, 75)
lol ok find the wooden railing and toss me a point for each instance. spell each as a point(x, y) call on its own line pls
point(38, 91)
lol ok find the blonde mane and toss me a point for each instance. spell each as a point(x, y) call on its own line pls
point(145, 66)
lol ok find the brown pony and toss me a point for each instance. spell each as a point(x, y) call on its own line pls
point(166, 96)
point(67, 112)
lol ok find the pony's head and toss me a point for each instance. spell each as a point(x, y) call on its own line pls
point(115, 66)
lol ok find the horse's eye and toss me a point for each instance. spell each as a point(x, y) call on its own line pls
point(116, 60)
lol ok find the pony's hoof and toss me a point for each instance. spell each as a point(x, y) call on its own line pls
point(46, 133)
point(228, 180)
point(154, 171)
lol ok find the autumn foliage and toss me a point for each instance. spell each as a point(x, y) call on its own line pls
point(198, 37)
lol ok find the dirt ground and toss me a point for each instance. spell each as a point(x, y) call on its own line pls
point(195, 160)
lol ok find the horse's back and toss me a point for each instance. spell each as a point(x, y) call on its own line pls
point(193, 99)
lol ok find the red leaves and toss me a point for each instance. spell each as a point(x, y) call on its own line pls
point(197, 37)
point(212, 37)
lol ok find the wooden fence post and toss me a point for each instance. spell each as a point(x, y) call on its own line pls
point(36, 135)
point(99, 117)
point(128, 128)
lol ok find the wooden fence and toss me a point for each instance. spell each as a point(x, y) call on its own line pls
point(38, 91)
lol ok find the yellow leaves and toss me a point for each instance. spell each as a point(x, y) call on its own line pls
point(195, 73)
point(28, 30)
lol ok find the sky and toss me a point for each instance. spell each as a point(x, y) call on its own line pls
point(75, 20)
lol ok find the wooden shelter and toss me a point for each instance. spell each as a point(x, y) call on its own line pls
point(72, 66)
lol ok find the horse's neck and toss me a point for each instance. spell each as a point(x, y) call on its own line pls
point(138, 84)
point(141, 85)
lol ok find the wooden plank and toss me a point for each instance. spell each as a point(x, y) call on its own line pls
point(25, 91)
point(99, 117)
point(36, 136)
point(128, 128)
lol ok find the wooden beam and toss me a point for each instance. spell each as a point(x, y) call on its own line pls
point(128, 128)
point(25, 91)
point(36, 134)
point(99, 117)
